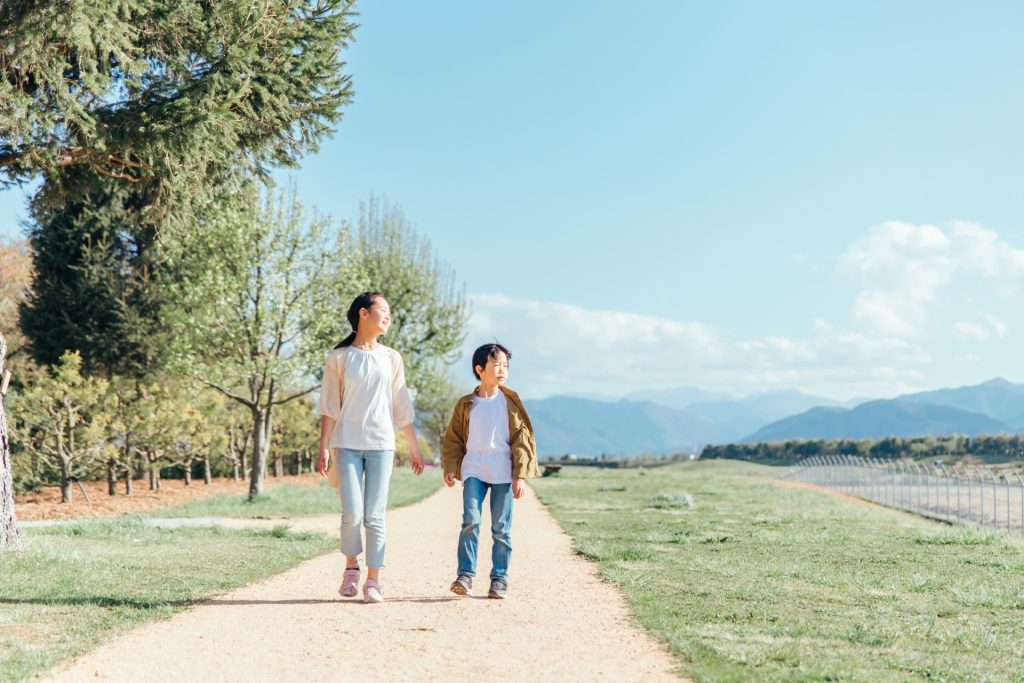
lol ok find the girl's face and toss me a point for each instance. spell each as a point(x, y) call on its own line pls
point(377, 318)
point(496, 371)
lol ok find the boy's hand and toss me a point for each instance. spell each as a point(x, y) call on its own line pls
point(518, 488)
point(449, 480)
point(323, 461)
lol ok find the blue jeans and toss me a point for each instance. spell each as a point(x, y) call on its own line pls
point(473, 492)
point(363, 478)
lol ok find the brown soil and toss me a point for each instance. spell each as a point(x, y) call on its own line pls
point(45, 504)
point(821, 489)
point(560, 622)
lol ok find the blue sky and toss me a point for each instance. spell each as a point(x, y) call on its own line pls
point(741, 196)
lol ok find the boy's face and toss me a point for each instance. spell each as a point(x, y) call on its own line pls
point(496, 371)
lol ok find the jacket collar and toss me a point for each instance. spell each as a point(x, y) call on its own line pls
point(468, 398)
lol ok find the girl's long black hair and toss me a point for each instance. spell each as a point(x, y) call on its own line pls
point(364, 300)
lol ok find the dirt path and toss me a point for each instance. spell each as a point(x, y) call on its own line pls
point(559, 623)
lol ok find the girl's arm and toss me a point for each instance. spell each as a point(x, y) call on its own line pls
point(326, 429)
point(402, 410)
point(331, 389)
point(414, 449)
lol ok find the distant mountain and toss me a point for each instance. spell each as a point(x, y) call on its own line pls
point(879, 419)
point(679, 397)
point(996, 398)
point(740, 417)
point(566, 424)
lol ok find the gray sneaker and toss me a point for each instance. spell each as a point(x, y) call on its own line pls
point(462, 585)
point(499, 587)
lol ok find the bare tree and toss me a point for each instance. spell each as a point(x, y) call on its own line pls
point(9, 538)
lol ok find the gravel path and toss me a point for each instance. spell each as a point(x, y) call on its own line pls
point(559, 623)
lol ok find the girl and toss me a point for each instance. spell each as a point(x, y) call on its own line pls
point(363, 399)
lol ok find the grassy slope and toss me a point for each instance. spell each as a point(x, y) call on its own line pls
point(293, 500)
point(761, 581)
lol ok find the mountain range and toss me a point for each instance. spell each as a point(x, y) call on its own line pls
point(686, 418)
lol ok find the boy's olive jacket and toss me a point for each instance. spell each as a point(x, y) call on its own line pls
point(520, 430)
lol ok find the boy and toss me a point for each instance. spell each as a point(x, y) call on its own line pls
point(489, 445)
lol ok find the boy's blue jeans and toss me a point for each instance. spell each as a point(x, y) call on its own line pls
point(363, 478)
point(473, 492)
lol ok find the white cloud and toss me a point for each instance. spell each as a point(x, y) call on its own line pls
point(998, 326)
point(563, 349)
point(906, 266)
point(971, 330)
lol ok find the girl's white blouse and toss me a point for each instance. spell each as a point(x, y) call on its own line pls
point(365, 393)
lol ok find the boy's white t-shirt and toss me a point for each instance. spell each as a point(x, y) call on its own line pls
point(488, 453)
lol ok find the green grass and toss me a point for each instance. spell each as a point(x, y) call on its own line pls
point(78, 585)
point(297, 500)
point(756, 581)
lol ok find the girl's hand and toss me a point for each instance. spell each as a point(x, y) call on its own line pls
point(417, 458)
point(518, 488)
point(449, 480)
point(323, 462)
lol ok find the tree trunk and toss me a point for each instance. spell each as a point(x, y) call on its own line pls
point(278, 466)
point(259, 453)
point(128, 481)
point(65, 481)
point(188, 474)
point(9, 537)
point(154, 476)
point(234, 471)
point(112, 476)
point(207, 475)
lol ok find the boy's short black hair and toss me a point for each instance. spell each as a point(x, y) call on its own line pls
point(486, 351)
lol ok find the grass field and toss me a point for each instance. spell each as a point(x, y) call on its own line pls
point(293, 500)
point(750, 579)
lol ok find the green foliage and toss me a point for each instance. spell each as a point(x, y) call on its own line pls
point(62, 419)
point(96, 262)
point(264, 282)
point(428, 310)
point(1000, 447)
point(765, 582)
point(671, 501)
point(167, 95)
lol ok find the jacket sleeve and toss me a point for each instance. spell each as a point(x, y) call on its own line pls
point(454, 447)
point(401, 401)
point(524, 450)
point(332, 386)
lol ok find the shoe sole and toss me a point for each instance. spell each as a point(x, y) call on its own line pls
point(369, 600)
point(495, 596)
point(461, 590)
point(348, 594)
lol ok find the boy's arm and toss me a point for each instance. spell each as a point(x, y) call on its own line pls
point(454, 446)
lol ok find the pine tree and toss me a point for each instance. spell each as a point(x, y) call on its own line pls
point(96, 261)
point(170, 96)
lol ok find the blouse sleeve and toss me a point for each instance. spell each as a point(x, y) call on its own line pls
point(331, 387)
point(401, 400)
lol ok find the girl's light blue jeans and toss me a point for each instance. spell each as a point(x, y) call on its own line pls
point(363, 478)
point(473, 492)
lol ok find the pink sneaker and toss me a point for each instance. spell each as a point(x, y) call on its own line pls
point(372, 591)
point(349, 582)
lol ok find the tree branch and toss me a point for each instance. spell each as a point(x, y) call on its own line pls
point(235, 397)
